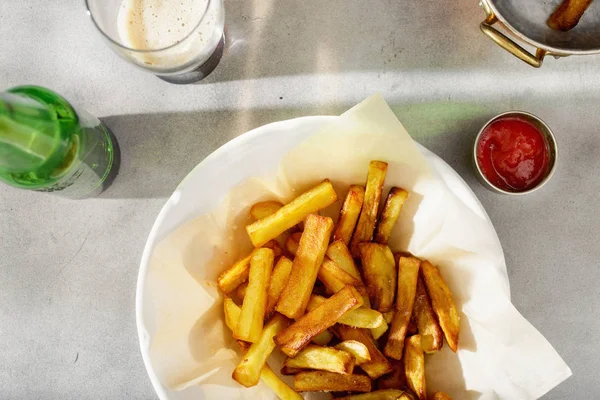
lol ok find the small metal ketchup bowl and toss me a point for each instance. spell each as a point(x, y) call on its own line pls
point(549, 144)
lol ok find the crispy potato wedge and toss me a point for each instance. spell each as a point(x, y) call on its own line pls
point(241, 290)
point(379, 270)
point(368, 214)
point(389, 214)
point(323, 381)
point(250, 323)
point(323, 338)
point(279, 278)
point(432, 337)
point(263, 209)
point(356, 349)
point(338, 252)
point(380, 330)
point(361, 317)
point(313, 245)
point(291, 371)
point(440, 396)
point(335, 278)
point(385, 394)
point(279, 387)
point(379, 365)
point(300, 333)
point(249, 369)
point(235, 275)
point(442, 303)
point(408, 274)
point(414, 366)
point(323, 359)
point(568, 14)
point(270, 227)
point(293, 242)
point(349, 214)
point(395, 379)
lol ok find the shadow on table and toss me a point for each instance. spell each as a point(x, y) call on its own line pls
point(159, 150)
point(289, 37)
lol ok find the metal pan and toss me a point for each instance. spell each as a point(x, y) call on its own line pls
point(526, 19)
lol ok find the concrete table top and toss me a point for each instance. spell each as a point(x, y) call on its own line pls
point(68, 269)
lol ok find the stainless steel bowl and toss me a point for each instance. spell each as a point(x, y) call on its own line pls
point(550, 141)
point(527, 21)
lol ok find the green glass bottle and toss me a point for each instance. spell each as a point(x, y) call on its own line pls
point(46, 145)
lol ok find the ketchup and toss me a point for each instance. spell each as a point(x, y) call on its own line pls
point(513, 154)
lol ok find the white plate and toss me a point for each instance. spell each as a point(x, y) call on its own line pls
point(251, 154)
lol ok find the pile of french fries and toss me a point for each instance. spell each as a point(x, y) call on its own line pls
point(353, 317)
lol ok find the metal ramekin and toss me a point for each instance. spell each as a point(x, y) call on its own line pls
point(550, 141)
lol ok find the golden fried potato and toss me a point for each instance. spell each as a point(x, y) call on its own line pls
point(291, 371)
point(385, 394)
point(232, 313)
point(361, 317)
point(274, 245)
point(349, 214)
point(368, 214)
point(293, 242)
point(395, 379)
point(323, 359)
point(408, 273)
point(432, 336)
point(300, 333)
point(263, 209)
point(281, 389)
point(270, 227)
point(390, 214)
point(414, 366)
point(250, 324)
point(379, 365)
point(322, 381)
point(234, 276)
point(442, 303)
point(338, 252)
point(380, 330)
point(241, 290)
point(356, 349)
point(568, 14)
point(279, 278)
point(313, 245)
point(379, 270)
point(323, 338)
point(249, 369)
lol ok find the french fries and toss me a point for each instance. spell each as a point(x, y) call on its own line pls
point(440, 396)
point(408, 272)
point(322, 358)
point(414, 366)
point(385, 394)
point(395, 379)
point(299, 334)
point(356, 349)
point(390, 214)
point(323, 338)
point(413, 307)
point(379, 365)
point(279, 278)
point(313, 245)
point(281, 389)
point(349, 214)
point(250, 324)
point(293, 242)
point(338, 252)
point(442, 303)
point(322, 381)
point(432, 337)
point(264, 208)
point(368, 214)
point(568, 14)
point(248, 371)
point(234, 276)
point(361, 317)
point(379, 270)
point(270, 227)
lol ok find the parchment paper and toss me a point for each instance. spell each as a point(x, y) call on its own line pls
point(501, 355)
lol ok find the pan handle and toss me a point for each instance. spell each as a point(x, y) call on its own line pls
point(507, 43)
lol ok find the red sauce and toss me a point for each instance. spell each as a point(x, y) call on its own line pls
point(512, 154)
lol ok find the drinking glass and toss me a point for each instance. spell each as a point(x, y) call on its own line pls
point(180, 41)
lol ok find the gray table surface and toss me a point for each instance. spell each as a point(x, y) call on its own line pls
point(68, 269)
